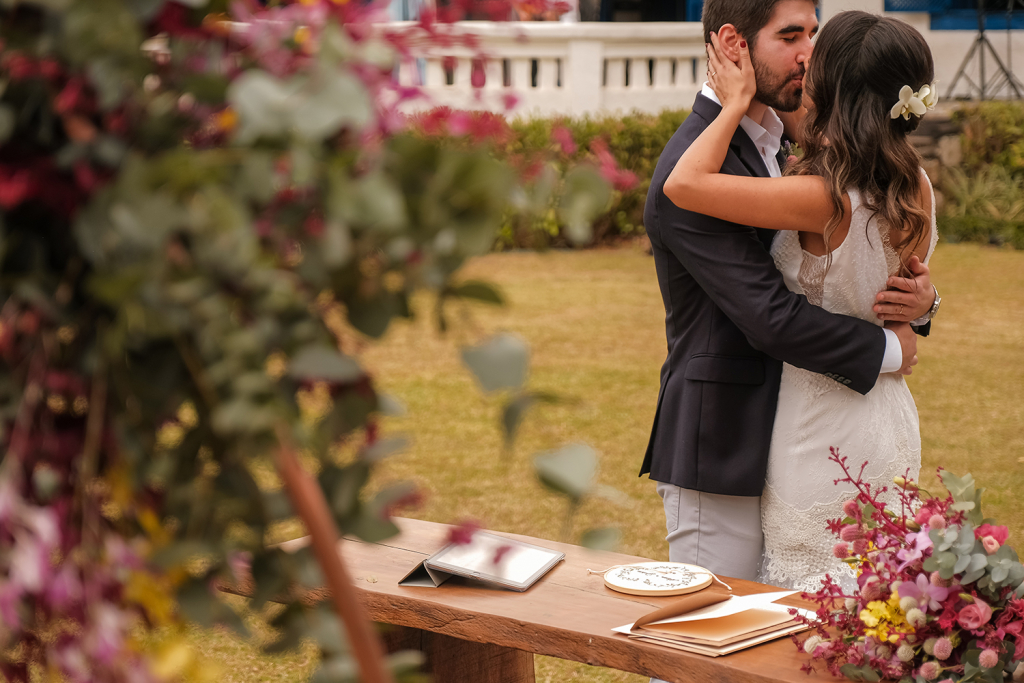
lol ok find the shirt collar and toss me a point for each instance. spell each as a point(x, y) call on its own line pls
point(767, 135)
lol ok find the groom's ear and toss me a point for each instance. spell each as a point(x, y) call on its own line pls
point(729, 40)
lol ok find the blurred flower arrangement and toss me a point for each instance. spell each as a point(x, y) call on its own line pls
point(939, 592)
point(203, 205)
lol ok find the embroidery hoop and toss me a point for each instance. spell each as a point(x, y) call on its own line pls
point(657, 578)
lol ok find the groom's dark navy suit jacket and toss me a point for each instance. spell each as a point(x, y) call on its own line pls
point(730, 323)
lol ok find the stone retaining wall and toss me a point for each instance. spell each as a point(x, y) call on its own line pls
point(938, 141)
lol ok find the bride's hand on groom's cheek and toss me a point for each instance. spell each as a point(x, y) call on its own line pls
point(732, 81)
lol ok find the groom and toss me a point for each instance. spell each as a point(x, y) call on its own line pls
point(731, 321)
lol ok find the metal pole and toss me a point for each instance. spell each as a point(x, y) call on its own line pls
point(981, 39)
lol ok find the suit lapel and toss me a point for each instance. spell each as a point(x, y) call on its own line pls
point(743, 147)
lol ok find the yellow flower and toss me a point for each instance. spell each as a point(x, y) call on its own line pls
point(226, 119)
point(884, 619)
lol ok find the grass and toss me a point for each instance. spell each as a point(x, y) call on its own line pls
point(594, 321)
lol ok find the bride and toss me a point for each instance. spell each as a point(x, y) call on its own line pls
point(855, 208)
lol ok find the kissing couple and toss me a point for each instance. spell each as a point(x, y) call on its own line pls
point(794, 289)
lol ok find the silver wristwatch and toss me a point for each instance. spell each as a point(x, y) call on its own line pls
point(935, 306)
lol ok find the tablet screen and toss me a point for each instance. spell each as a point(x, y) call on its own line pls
point(516, 562)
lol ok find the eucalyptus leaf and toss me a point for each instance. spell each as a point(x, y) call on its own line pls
point(606, 538)
point(336, 99)
point(384, 448)
point(569, 470)
point(500, 363)
point(586, 194)
point(321, 362)
point(390, 405)
point(478, 290)
point(264, 103)
point(7, 121)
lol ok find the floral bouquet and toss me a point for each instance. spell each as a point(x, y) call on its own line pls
point(938, 594)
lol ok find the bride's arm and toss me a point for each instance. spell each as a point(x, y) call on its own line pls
point(697, 183)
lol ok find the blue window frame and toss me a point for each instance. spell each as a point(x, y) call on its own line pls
point(693, 9)
point(959, 15)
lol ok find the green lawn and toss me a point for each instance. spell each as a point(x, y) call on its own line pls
point(594, 320)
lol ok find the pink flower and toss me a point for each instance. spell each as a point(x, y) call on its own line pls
point(999, 533)
point(988, 659)
point(563, 137)
point(65, 588)
point(871, 589)
point(936, 522)
point(943, 648)
point(851, 532)
point(841, 550)
point(990, 544)
point(919, 543)
point(929, 671)
point(974, 616)
point(860, 546)
point(851, 508)
point(922, 590)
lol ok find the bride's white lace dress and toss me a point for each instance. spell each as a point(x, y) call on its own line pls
point(815, 412)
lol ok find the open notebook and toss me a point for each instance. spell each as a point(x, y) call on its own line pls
point(714, 623)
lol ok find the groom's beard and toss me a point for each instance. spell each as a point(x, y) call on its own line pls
point(780, 92)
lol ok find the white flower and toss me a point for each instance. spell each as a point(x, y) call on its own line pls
point(812, 643)
point(929, 95)
point(916, 103)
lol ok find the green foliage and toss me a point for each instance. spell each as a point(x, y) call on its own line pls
point(634, 140)
point(993, 133)
point(176, 283)
point(983, 205)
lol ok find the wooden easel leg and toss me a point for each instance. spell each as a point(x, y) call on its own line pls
point(451, 660)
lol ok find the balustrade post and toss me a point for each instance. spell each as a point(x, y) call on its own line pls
point(584, 77)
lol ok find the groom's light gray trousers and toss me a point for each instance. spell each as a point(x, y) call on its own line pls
point(717, 532)
point(720, 533)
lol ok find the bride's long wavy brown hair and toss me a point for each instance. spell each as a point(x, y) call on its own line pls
point(860, 63)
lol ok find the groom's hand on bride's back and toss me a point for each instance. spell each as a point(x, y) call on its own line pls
point(908, 344)
point(907, 298)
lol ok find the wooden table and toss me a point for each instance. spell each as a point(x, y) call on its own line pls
point(476, 634)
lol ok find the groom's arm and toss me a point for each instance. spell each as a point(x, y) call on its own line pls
point(730, 263)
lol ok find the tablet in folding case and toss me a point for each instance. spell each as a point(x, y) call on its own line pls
point(494, 560)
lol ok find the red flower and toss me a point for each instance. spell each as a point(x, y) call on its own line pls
point(462, 533)
point(948, 617)
point(70, 97)
point(15, 187)
point(19, 67)
point(999, 533)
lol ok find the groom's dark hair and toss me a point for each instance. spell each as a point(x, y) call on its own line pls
point(748, 16)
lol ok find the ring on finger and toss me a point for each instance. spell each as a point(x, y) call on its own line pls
point(901, 309)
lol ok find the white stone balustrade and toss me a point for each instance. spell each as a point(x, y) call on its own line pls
point(557, 68)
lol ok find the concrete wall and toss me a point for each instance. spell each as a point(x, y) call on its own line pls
point(948, 47)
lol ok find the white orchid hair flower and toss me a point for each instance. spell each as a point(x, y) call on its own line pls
point(916, 103)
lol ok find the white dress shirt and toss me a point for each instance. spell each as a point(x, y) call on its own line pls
point(767, 137)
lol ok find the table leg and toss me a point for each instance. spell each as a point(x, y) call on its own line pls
point(452, 660)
